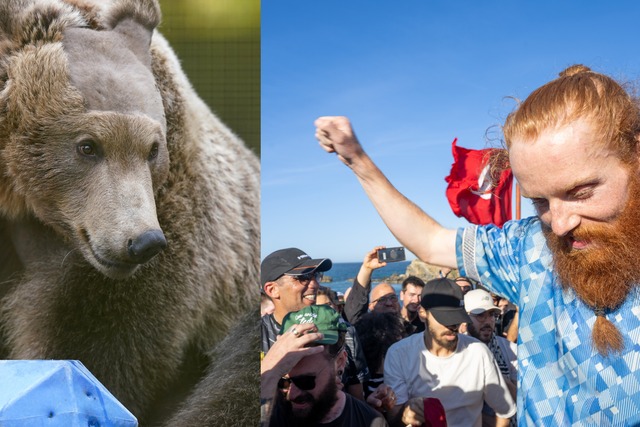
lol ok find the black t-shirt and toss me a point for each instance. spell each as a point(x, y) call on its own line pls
point(419, 324)
point(355, 370)
point(355, 414)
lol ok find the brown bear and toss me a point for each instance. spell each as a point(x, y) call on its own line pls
point(129, 214)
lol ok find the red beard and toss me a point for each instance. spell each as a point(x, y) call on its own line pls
point(602, 276)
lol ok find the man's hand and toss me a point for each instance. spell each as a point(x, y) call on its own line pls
point(414, 229)
point(462, 329)
point(383, 398)
point(336, 136)
point(370, 263)
point(371, 260)
point(286, 353)
point(413, 412)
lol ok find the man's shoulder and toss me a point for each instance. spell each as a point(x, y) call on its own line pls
point(269, 330)
point(269, 322)
point(367, 414)
point(468, 343)
point(503, 340)
point(506, 344)
point(517, 229)
point(411, 341)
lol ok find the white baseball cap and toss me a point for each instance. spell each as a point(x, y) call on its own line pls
point(478, 301)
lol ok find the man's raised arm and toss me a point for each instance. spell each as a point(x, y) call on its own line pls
point(416, 230)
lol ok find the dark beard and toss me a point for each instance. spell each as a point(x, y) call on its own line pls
point(317, 409)
point(602, 277)
point(445, 343)
point(474, 332)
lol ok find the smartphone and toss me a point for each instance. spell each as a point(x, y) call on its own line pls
point(391, 254)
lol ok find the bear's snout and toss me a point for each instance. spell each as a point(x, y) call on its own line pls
point(146, 246)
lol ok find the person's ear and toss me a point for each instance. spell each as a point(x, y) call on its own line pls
point(341, 361)
point(422, 313)
point(272, 289)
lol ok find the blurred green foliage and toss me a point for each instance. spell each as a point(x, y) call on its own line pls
point(218, 44)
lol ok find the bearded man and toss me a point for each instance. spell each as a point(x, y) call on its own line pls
point(302, 371)
point(573, 147)
point(411, 290)
point(458, 370)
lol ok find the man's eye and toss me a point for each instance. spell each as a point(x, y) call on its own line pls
point(585, 194)
point(538, 202)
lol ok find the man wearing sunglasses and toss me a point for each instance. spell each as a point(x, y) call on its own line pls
point(483, 313)
point(306, 381)
point(291, 278)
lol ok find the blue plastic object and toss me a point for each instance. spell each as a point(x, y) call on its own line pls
point(56, 393)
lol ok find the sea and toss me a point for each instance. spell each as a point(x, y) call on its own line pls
point(341, 272)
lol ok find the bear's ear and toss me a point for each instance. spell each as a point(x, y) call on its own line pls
point(135, 20)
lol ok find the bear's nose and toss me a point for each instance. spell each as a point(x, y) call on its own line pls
point(146, 246)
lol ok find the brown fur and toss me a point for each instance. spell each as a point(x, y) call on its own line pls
point(139, 332)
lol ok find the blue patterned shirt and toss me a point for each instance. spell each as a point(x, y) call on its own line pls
point(562, 380)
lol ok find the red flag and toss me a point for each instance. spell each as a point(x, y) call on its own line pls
point(469, 191)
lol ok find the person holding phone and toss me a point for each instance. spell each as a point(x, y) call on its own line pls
point(574, 147)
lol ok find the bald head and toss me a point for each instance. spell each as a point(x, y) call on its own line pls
point(384, 299)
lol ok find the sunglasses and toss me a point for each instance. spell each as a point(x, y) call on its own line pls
point(304, 382)
point(305, 279)
point(390, 298)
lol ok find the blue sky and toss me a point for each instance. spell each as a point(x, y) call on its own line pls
point(411, 77)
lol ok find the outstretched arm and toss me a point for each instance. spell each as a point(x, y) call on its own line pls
point(416, 230)
point(357, 304)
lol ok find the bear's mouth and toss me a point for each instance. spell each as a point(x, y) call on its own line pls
point(124, 268)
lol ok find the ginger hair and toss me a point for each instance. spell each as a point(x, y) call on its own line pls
point(577, 94)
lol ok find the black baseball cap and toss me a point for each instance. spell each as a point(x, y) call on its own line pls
point(290, 261)
point(445, 300)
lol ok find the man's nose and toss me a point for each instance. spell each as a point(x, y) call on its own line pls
point(314, 284)
point(563, 218)
point(294, 392)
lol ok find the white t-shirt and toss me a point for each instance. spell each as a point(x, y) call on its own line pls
point(462, 381)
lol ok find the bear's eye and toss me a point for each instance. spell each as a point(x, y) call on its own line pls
point(154, 152)
point(86, 149)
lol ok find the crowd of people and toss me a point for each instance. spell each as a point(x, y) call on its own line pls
point(383, 342)
point(574, 147)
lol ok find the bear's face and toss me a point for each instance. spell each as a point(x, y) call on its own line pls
point(86, 148)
